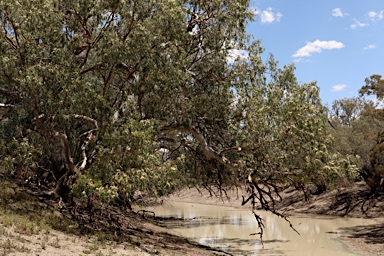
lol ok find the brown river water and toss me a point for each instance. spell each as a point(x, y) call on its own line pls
point(228, 229)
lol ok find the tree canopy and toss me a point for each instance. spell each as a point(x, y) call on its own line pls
point(357, 128)
point(111, 98)
point(373, 172)
point(374, 85)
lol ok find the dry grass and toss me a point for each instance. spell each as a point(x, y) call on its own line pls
point(29, 226)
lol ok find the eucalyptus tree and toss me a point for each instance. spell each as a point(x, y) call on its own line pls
point(347, 110)
point(353, 131)
point(374, 85)
point(373, 172)
point(118, 97)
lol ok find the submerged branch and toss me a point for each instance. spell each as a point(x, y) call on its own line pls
point(267, 202)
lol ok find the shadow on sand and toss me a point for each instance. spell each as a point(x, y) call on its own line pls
point(372, 234)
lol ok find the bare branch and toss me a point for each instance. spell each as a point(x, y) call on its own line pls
point(11, 42)
point(107, 24)
point(91, 68)
point(4, 105)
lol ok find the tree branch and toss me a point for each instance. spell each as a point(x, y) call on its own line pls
point(86, 119)
point(17, 45)
point(91, 68)
point(130, 26)
point(88, 137)
point(4, 105)
point(208, 151)
point(9, 92)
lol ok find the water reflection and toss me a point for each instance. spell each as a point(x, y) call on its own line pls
point(229, 229)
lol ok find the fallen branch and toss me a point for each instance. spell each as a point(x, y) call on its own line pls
point(145, 211)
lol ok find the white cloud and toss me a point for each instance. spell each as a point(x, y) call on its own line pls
point(297, 60)
point(358, 24)
point(337, 12)
point(317, 47)
point(338, 87)
point(375, 16)
point(269, 16)
point(369, 47)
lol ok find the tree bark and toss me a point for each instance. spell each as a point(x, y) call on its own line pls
point(63, 167)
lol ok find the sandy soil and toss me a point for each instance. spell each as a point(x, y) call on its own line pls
point(59, 244)
point(30, 224)
point(55, 243)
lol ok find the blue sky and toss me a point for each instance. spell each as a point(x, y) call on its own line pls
point(336, 43)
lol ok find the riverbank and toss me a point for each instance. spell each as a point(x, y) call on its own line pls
point(33, 225)
point(352, 200)
point(30, 225)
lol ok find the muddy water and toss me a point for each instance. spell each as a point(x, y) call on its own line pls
point(229, 229)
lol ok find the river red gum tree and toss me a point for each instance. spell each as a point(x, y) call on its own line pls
point(107, 98)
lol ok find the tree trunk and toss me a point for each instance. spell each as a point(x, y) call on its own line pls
point(63, 167)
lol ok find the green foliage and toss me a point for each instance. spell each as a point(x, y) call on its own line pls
point(284, 128)
point(347, 110)
point(374, 85)
point(134, 164)
point(22, 153)
point(357, 129)
point(373, 171)
point(354, 129)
